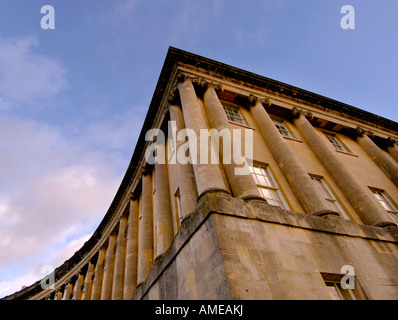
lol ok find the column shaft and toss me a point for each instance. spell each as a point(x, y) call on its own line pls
point(77, 289)
point(145, 231)
point(59, 295)
point(106, 291)
point(130, 278)
point(242, 186)
point(186, 177)
point(88, 283)
point(99, 275)
point(207, 176)
point(162, 210)
point(302, 186)
point(362, 201)
point(393, 150)
point(120, 262)
point(388, 165)
point(67, 291)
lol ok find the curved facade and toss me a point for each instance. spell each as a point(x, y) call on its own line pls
point(318, 197)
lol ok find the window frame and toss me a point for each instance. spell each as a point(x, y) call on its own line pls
point(236, 115)
point(332, 196)
point(282, 128)
point(387, 199)
point(177, 208)
point(273, 187)
point(334, 280)
point(344, 294)
point(336, 142)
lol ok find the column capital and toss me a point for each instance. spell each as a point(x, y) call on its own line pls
point(391, 142)
point(296, 112)
point(181, 77)
point(134, 195)
point(253, 99)
point(360, 131)
point(210, 84)
point(145, 171)
point(172, 98)
point(166, 109)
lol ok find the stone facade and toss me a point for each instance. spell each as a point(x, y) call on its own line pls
point(317, 212)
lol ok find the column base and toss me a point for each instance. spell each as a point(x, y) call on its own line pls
point(328, 213)
point(212, 190)
point(387, 225)
point(254, 198)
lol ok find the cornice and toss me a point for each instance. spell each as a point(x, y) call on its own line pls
point(255, 81)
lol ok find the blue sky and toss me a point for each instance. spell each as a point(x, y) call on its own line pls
point(73, 99)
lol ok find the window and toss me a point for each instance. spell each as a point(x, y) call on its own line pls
point(178, 210)
point(234, 115)
point(335, 141)
point(267, 186)
point(337, 292)
point(171, 142)
point(328, 195)
point(283, 130)
point(385, 201)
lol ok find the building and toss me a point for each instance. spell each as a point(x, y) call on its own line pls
point(315, 217)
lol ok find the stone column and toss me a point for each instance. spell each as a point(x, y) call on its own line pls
point(302, 186)
point(242, 186)
point(186, 177)
point(120, 261)
point(99, 274)
point(88, 282)
point(162, 216)
point(130, 278)
point(67, 291)
point(106, 291)
point(388, 165)
point(59, 295)
point(362, 201)
point(393, 148)
point(77, 288)
point(145, 230)
point(207, 176)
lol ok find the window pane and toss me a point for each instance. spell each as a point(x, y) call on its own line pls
point(329, 196)
point(385, 202)
point(333, 292)
point(283, 130)
point(262, 181)
point(234, 115)
point(266, 185)
point(336, 142)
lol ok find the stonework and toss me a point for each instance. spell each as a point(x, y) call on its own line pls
point(315, 218)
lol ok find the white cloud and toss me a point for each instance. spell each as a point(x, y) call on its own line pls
point(55, 187)
point(14, 284)
point(26, 75)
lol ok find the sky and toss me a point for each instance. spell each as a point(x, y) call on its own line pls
point(73, 99)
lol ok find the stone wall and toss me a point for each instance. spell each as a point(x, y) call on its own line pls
point(232, 249)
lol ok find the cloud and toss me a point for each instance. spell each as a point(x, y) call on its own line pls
point(12, 284)
point(59, 191)
point(55, 188)
point(26, 75)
